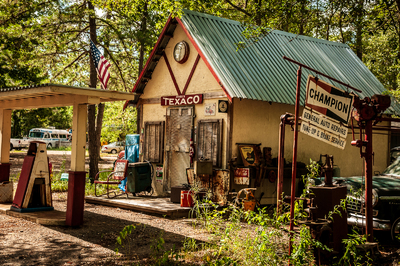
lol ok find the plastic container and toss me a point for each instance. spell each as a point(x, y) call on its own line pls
point(132, 148)
point(186, 198)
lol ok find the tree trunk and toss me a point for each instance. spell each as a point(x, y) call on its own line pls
point(99, 126)
point(258, 14)
point(398, 32)
point(141, 62)
point(143, 29)
point(359, 29)
point(93, 143)
point(302, 17)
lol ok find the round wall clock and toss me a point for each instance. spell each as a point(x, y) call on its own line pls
point(181, 52)
point(222, 106)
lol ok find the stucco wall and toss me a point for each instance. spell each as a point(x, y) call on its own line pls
point(258, 122)
point(161, 84)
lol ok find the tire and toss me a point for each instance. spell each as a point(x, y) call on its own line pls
point(49, 146)
point(395, 231)
point(11, 147)
point(114, 151)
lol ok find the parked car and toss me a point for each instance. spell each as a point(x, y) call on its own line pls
point(114, 147)
point(394, 153)
point(385, 200)
point(18, 144)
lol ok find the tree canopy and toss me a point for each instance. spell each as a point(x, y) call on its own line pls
point(48, 41)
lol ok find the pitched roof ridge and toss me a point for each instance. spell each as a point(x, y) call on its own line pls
point(285, 33)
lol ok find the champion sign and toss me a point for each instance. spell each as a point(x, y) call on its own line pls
point(182, 99)
point(328, 100)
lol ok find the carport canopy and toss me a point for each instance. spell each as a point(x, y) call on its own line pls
point(53, 95)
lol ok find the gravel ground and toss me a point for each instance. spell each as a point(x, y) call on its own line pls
point(93, 243)
point(26, 243)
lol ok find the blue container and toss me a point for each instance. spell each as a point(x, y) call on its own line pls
point(132, 148)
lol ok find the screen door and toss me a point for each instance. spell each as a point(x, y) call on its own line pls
point(178, 130)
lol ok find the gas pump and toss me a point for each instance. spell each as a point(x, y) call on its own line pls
point(34, 187)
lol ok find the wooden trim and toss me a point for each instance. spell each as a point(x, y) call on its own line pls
point(161, 141)
point(220, 133)
point(5, 135)
point(191, 74)
point(219, 139)
point(204, 58)
point(229, 122)
point(206, 96)
point(171, 74)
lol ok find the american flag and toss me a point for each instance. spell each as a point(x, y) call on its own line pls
point(101, 65)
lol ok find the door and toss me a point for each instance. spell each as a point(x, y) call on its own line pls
point(178, 131)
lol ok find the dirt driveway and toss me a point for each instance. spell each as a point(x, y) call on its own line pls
point(26, 243)
point(57, 159)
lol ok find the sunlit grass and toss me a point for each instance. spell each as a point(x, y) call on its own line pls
point(58, 185)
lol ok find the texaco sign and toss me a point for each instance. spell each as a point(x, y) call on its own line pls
point(182, 100)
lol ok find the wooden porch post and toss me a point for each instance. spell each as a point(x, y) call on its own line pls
point(77, 175)
point(5, 135)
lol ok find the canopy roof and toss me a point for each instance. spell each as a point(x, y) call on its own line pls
point(55, 95)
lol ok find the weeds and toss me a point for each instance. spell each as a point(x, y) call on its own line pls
point(125, 241)
point(239, 237)
point(352, 254)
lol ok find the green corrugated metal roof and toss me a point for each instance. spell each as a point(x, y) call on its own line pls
point(259, 72)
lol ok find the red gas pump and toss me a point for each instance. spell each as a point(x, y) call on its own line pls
point(34, 186)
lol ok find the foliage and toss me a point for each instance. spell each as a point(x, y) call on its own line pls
point(125, 241)
point(160, 255)
point(253, 238)
point(352, 254)
point(117, 124)
point(25, 120)
point(18, 42)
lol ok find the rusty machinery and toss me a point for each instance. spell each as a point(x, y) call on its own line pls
point(367, 112)
point(324, 200)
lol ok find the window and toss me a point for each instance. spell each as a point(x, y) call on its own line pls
point(153, 141)
point(209, 140)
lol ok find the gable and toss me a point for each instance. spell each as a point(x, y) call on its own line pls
point(194, 70)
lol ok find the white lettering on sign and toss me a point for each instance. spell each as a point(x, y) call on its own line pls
point(182, 99)
point(324, 123)
point(328, 100)
point(325, 136)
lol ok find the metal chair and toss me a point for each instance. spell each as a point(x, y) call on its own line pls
point(114, 178)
